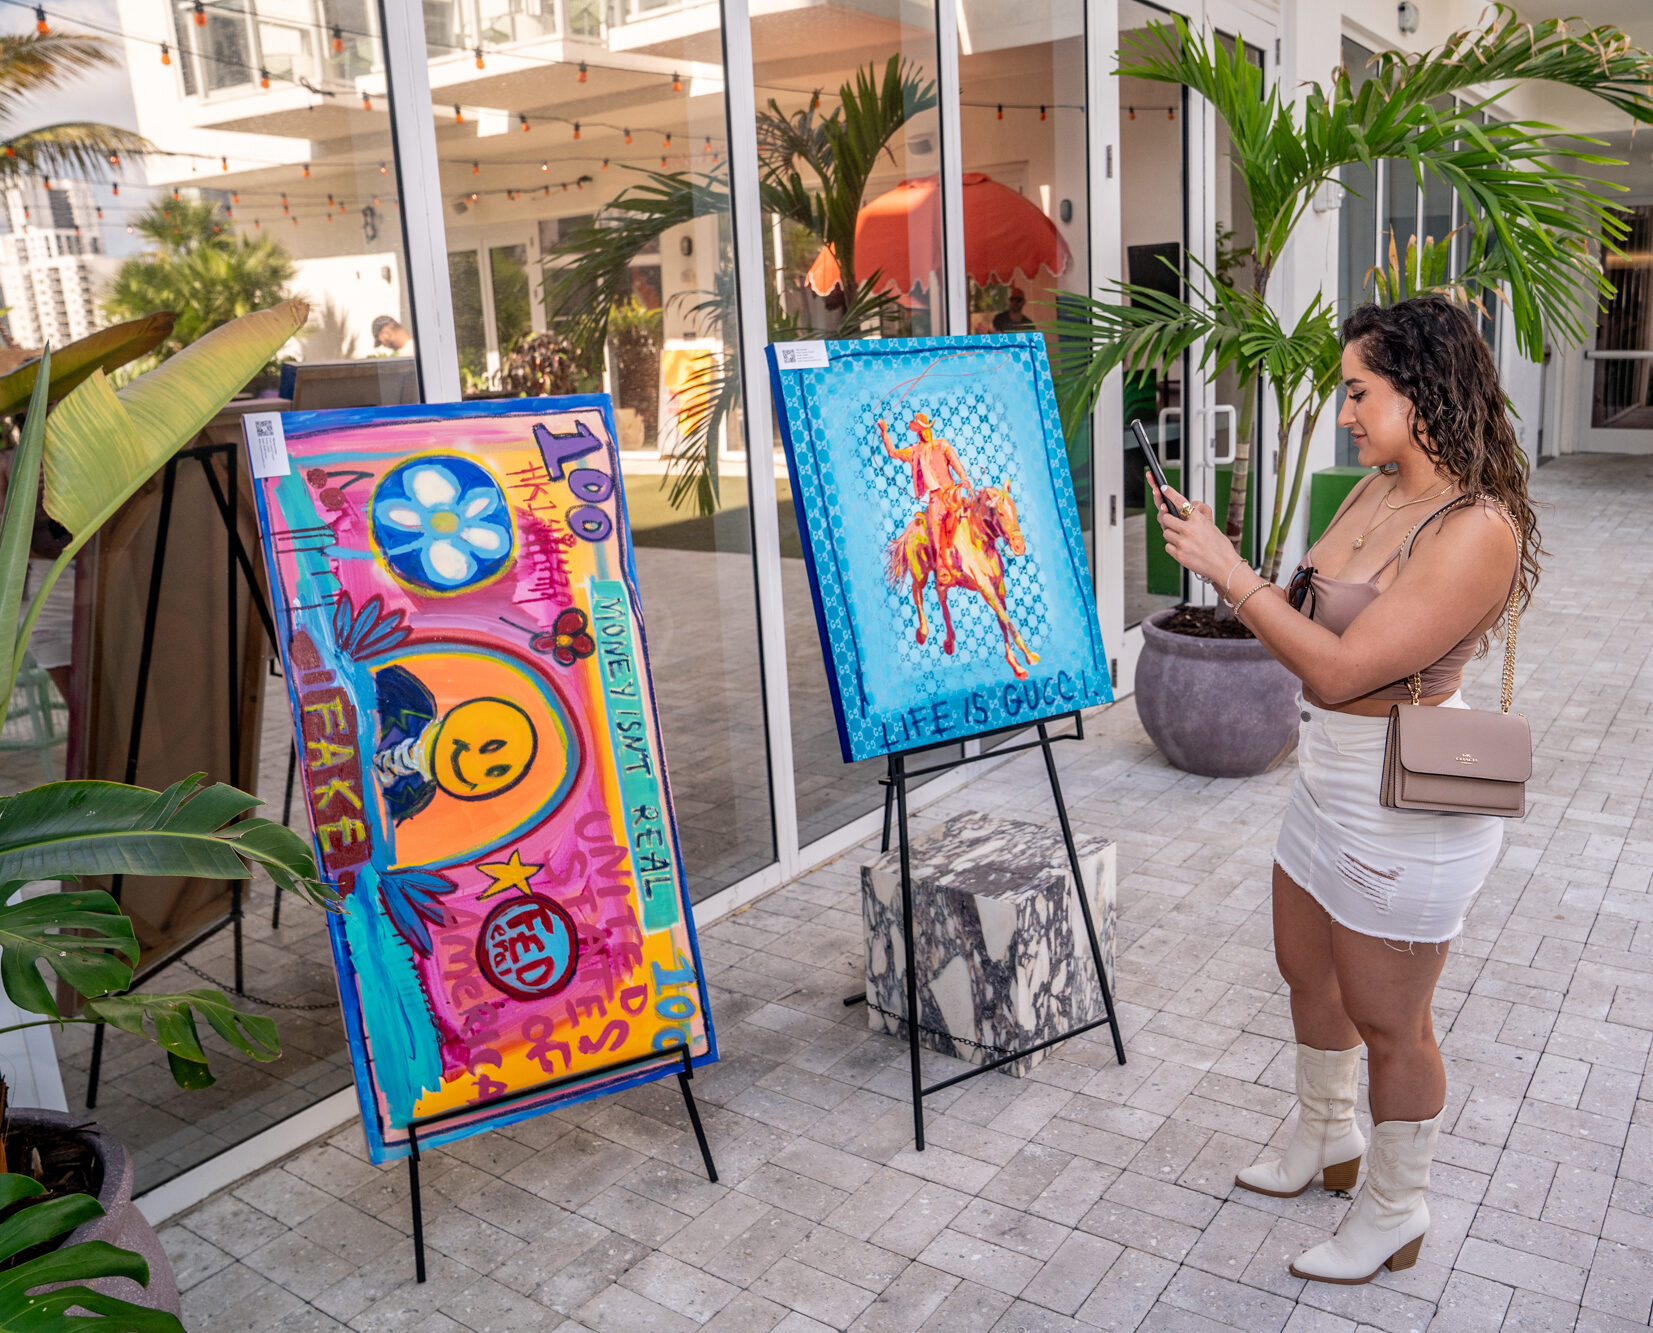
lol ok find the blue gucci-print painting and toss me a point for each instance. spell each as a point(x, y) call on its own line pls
point(941, 533)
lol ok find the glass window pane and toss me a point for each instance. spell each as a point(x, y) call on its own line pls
point(1357, 228)
point(306, 203)
point(587, 214)
point(1022, 118)
point(1153, 232)
point(1623, 393)
point(827, 283)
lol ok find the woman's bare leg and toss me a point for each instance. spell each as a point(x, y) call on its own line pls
point(1386, 987)
point(1303, 952)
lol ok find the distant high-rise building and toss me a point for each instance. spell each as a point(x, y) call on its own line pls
point(51, 262)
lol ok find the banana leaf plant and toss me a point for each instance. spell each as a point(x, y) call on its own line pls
point(96, 449)
point(813, 173)
point(106, 350)
point(1533, 214)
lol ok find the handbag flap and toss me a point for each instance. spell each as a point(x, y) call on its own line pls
point(1464, 743)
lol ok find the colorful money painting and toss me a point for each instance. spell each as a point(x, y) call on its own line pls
point(480, 754)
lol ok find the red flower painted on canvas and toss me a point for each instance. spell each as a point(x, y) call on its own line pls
point(571, 637)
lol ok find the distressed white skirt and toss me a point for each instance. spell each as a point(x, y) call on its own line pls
point(1396, 874)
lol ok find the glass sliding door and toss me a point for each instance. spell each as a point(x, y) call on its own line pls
point(805, 62)
point(590, 184)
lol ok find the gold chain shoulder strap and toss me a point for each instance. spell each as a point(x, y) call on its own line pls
point(1506, 696)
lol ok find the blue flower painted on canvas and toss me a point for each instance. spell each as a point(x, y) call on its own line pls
point(441, 523)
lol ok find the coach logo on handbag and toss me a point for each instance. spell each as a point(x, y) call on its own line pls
point(1467, 759)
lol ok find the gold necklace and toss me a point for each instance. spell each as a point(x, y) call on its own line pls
point(1406, 503)
point(1371, 526)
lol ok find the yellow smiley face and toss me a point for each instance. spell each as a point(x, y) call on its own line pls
point(482, 748)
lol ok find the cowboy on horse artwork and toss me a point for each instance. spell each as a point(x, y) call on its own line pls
point(955, 538)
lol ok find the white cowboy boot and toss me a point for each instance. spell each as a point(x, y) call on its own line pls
point(1387, 1223)
point(1327, 1137)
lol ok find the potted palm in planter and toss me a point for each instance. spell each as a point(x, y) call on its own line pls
point(95, 450)
point(1532, 223)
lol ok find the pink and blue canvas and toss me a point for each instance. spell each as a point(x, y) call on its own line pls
point(480, 757)
point(952, 589)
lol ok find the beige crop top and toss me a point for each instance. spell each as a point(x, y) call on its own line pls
point(1335, 603)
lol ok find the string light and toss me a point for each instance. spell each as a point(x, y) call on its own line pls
point(480, 62)
point(367, 100)
point(524, 120)
point(99, 211)
point(476, 170)
point(458, 115)
point(1170, 113)
point(605, 164)
point(166, 54)
point(263, 78)
point(200, 14)
point(708, 143)
point(115, 187)
point(576, 129)
point(1133, 113)
point(628, 137)
point(257, 225)
point(1041, 113)
point(306, 170)
point(223, 164)
point(668, 141)
point(384, 170)
point(545, 166)
point(114, 159)
point(235, 196)
point(677, 83)
point(1001, 110)
point(815, 102)
point(131, 230)
point(40, 24)
point(338, 40)
point(176, 197)
point(46, 181)
point(580, 77)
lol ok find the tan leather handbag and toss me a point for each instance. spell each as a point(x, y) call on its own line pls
point(1460, 761)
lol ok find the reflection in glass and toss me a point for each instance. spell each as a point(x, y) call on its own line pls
point(587, 210)
point(854, 252)
point(1623, 393)
point(1152, 157)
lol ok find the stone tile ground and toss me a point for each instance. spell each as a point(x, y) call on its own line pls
point(1087, 1195)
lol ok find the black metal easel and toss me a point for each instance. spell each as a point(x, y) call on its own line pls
point(895, 802)
point(238, 560)
point(653, 1057)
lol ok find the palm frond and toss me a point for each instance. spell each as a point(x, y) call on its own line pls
point(32, 63)
point(80, 148)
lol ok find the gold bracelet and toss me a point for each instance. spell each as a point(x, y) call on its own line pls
point(1260, 586)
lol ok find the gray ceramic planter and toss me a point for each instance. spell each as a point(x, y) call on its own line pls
point(1222, 708)
point(121, 1224)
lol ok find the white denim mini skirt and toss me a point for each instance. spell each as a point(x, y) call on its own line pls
point(1396, 874)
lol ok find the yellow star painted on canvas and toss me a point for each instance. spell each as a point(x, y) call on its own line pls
point(512, 874)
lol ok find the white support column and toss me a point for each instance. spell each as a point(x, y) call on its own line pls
point(746, 224)
point(952, 167)
point(419, 187)
point(1107, 452)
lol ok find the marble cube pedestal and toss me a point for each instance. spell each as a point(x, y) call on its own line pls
point(1002, 958)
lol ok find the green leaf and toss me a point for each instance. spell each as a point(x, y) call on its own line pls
point(96, 959)
point(72, 829)
point(170, 1022)
point(50, 1312)
point(101, 446)
point(106, 350)
point(17, 525)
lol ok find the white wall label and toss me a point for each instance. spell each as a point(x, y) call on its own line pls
point(266, 444)
point(801, 356)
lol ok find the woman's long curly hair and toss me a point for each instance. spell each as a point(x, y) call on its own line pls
point(1430, 352)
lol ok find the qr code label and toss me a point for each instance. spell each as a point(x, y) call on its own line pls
point(801, 355)
point(266, 444)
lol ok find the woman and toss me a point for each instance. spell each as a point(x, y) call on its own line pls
point(1416, 570)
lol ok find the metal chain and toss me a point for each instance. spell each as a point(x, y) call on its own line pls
point(256, 999)
point(937, 1032)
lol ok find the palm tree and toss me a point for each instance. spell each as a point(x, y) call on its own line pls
point(1532, 219)
point(201, 270)
point(35, 63)
point(814, 173)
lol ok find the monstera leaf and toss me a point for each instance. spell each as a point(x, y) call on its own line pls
point(98, 957)
point(106, 350)
point(169, 1022)
point(49, 1312)
point(65, 830)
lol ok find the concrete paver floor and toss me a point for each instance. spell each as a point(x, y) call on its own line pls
point(1088, 1194)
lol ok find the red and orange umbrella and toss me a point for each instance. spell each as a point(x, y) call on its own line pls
point(899, 233)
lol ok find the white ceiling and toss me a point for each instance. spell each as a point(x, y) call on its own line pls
point(1634, 16)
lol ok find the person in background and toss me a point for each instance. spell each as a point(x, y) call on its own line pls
point(1015, 318)
point(389, 334)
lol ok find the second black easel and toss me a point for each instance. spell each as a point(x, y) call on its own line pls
point(900, 777)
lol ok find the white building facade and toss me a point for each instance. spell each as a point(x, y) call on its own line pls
point(52, 261)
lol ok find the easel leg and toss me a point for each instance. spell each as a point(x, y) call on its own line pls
point(898, 782)
point(418, 1209)
point(889, 809)
point(235, 931)
point(97, 1065)
point(694, 1117)
point(286, 818)
point(1079, 888)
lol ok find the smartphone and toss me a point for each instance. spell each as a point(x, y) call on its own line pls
point(1150, 455)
